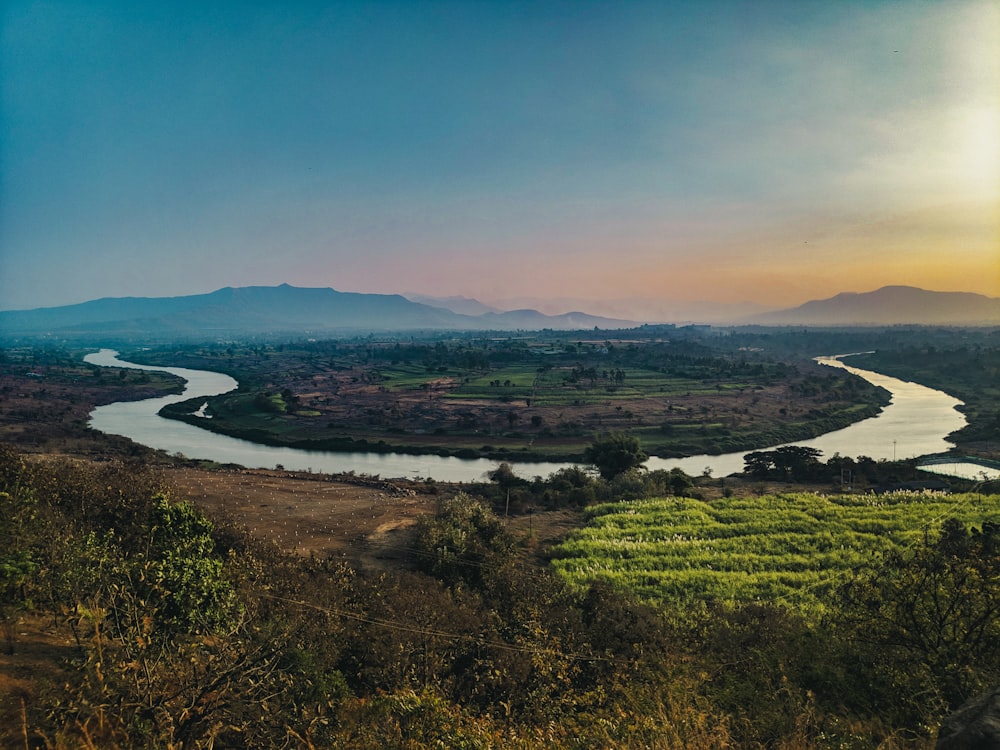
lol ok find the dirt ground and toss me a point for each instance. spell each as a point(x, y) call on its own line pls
point(42, 650)
point(369, 524)
point(307, 514)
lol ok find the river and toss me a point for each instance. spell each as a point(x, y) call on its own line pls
point(914, 424)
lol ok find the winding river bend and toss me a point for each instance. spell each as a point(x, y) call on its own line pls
point(914, 424)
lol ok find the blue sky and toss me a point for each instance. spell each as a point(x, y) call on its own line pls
point(773, 152)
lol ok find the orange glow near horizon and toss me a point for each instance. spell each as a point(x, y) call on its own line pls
point(624, 157)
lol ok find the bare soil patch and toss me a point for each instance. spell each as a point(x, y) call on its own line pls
point(365, 522)
point(368, 523)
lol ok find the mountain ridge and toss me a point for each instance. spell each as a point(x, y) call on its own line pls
point(274, 309)
point(890, 305)
point(285, 309)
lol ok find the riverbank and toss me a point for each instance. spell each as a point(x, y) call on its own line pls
point(507, 402)
point(914, 423)
point(48, 397)
point(712, 441)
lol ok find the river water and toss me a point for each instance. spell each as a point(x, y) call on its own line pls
point(914, 424)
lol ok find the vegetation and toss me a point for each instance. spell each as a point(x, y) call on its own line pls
point(614, 454)
point(540, 397)
point(795, 548)
point(929, 620)
point(680, 391)
point(689, 612)
point(48, 392)
point(183, 631)
point(970, 373)
point(960, 361)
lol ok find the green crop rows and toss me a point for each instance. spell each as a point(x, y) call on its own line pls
point(794, 549)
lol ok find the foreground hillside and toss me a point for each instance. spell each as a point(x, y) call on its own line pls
point(132, 620)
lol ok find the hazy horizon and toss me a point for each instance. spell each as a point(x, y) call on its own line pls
point(631, 310)
point(767, 153)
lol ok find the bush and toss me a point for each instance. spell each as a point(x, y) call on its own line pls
point(460, 540)
point(927, 621)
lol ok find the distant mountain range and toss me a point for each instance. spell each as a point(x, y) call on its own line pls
point(458, 304)
point(890, 305)
point(316, 312)
point(645, 309)
point(273, 310)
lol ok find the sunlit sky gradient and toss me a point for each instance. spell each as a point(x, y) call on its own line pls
point(772, 152)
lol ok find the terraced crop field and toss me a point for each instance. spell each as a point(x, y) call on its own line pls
point(794, 549)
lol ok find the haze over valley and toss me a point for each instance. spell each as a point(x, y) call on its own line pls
point(310, 311)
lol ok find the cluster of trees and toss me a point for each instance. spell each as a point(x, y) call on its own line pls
point(618, 459)
point(789, 462)
point(928, 623)
point(797, 463)
point(713, 399)
point(188, 633)
point(680, 357)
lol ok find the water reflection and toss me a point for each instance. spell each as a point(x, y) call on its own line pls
point(916, 423)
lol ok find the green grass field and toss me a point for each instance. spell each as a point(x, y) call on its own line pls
point(553, 387)
point(794, 549)
point(502, 400)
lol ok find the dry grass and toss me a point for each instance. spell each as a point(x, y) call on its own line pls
point(37, 667)
point(308, 514)
point(369, 524)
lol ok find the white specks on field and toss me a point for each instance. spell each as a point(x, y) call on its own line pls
point(306, 514)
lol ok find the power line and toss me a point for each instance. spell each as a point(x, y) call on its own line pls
point(428, 632)
point(526, 568)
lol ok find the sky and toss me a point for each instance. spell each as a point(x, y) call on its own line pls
point(768, 152)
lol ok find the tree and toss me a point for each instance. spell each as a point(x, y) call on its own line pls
point(458, 542)
point(181, 576)
point(506, 480)
point(504, 475)
point(615, 453)
point(758, 464)
point(797, 461)
point(787, 462)
point(664, 482)
point(928, 619)
point(570, 486)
